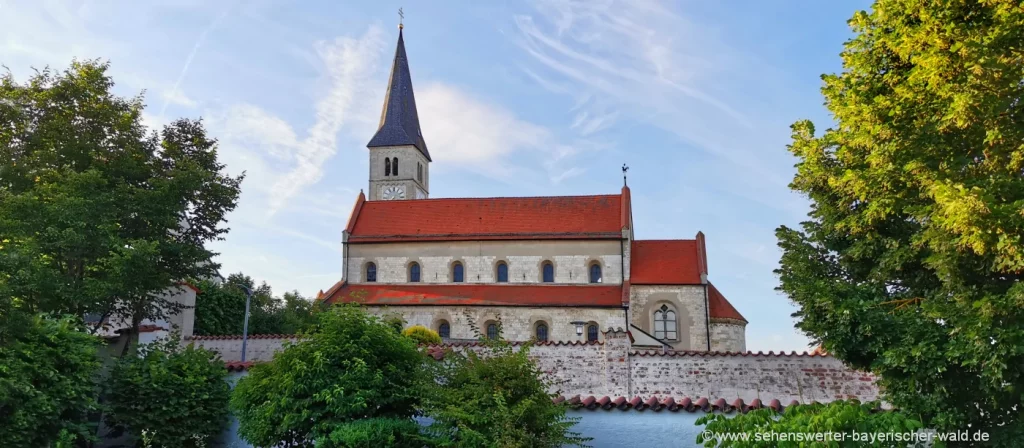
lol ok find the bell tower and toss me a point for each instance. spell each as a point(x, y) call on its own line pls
point(399, 160)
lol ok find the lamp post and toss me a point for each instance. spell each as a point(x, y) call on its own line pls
point(245, 324)
point(579, 327)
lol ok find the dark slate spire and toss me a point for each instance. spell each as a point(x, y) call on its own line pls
point(399, 123)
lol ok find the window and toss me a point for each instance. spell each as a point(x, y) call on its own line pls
point(394, 165)
point(549, 272)
point(492, 330)
point(592, 333)
point(665, 323)
point(595, 273)
point(458, 273)
point(502, 272)
point(414, 273)
point(541, 332)
point(444, 330)
point(387, 166)
point(371, 272)
point(419, 172)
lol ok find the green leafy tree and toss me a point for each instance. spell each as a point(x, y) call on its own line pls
point(422, 335)
point(376, 432)
point(220, 309)
point(352, 367)
point(99, 214)
point(911, 263)
point(47, 381)
point(497, 397)
point(850, 418)
point(176, 397)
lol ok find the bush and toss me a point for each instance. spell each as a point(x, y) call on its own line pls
point(496, 399)
point(177, 396)
point(351, 367)
point(47, 384)
point(422, 335)
point(375, 432)
point(838, 416)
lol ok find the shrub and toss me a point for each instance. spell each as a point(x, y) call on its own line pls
point(496, 399)
point(351, 367)
point(422, 335)
point(835, 417)
point(375, 432)
point(177, 396)
point(47, 387)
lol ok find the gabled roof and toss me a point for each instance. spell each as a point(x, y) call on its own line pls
point(471, 219)
point(665, 262)
point(399, 121)
point(470, 294)
point(719, 307)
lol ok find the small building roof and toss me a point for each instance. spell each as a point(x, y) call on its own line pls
point(665, 262)
point(472, 294)
point(719, 307)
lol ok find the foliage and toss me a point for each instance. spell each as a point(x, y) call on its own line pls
point(375, 432)
point(47, 370)
point(174, 396)
point(912, 261)
point(497, 398)
point(352, 366)
point(395, 321)
point(847, 417)
point(422, 335)
point(220, 309)
point(98, 214)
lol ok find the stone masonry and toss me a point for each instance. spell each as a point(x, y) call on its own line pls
point(518, 323)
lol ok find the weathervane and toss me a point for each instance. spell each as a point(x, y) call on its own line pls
point(401, 17)
point(624, 170)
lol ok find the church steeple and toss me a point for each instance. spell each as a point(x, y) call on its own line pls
point(399, 122)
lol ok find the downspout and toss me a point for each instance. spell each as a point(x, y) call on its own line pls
point(707, 314)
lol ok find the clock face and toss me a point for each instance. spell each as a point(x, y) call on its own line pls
point(393, 192)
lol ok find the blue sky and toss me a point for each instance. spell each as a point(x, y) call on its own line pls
point(516, 99)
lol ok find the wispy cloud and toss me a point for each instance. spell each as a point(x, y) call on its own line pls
point(173, 96)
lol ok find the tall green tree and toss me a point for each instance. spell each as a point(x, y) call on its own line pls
point(911, 262)
point(220, 309)
point(99, 214)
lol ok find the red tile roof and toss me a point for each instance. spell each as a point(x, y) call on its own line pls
point(461, 219)
point(665, 262)
point(656, 404)
point(719, 307)
point(493, 295)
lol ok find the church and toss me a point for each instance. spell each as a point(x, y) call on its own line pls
point(555, 269)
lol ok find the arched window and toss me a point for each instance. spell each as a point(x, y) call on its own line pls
point(419, 172)
point(444, 329)
point(371, 272)
point(592, 333)
point(394, 165)
point(458, 273)
point(492, 330)
point(549, 272)
point(595, 273)
point(665, 324)
point(502, 272)
point(541, 332)
point(414, 272)
point(387, 166)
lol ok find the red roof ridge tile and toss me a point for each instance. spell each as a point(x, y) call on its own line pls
point(724, 354)
point(485, 198)
point(219, 337)
point(574, 295)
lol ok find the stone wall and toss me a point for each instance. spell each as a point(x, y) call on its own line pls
point(259, 347)
point(518, 323)
point(728, 335)
point(688, 301)
point(611, 368)
point(571, 260)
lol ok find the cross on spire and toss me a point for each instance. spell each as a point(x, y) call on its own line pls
point(401, 18)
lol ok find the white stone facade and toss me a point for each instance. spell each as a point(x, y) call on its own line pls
point(728, 335)
point(518, 323)
point(687, 301)
point(409, 158)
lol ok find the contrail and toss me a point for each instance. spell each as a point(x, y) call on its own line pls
point(192, 55)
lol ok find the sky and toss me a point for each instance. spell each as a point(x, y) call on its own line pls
point(516, 98)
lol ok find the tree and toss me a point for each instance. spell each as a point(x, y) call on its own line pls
point(177, 397)
point(220, 309)
point(497, 398)
point(850, 418)
point(911, 263)
point(351, 368)
point(47, 381)
point(98, 214)
point(422, 335)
